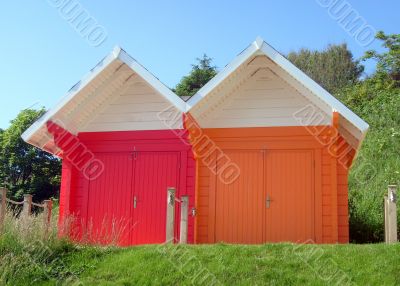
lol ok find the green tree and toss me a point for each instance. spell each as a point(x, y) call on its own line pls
point(25, 169)
point(388, 62)
point(378, 163)
point(376, 99)
point(333, 68)
point(201, 73)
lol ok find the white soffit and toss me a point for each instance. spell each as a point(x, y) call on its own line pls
point(353, 127)
point(258, 97)
point(79, 106)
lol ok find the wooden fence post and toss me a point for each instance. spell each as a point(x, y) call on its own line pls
point(385, 204)
point(47, 207)
point(3, 206)
point(169, 237)
point(27, 207)
point(184, 219)
point(391, 215)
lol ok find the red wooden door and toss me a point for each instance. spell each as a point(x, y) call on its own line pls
point(239, 205)
point(290, 190)
point(154, 172)
point(109, 201)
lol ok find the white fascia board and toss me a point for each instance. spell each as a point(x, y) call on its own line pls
point(222, 75)
point(259, 46)
point(102, 65)
point(315, 88)
point(153, 81)
point(117, 54)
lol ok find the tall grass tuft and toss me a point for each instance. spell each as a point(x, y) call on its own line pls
point(28, 251)
point(32, 254)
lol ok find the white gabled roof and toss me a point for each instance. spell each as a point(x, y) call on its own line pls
point(108, 77)
point(350, 124)
point(118, 72)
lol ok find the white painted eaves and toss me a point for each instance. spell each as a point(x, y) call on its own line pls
point(260, 47)
point(117, 55)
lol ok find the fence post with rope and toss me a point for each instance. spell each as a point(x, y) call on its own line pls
point(3, 206)
point(26, 209)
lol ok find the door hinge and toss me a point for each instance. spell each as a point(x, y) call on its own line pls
point(134, 153)
point(268, 202)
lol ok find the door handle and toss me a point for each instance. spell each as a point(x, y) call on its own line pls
point(268, 202)
point(134, 202)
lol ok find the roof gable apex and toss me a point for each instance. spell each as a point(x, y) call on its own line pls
point(311, 88)
point(152, 80)
point(116, 63)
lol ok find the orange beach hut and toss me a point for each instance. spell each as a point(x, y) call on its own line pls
point(288, 144)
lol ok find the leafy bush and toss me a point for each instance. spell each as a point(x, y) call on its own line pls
point(25, 169)
point(378, 162)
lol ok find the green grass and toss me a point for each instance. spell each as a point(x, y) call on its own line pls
point(29, 258)
point(271, 264)
point(277, 264)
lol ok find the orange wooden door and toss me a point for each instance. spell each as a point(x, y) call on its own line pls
point(290, 188)
point(286, 178)
point(240, 205)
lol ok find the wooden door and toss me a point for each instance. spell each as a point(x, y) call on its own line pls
point(109, 214)
point(271, 201)
point(239, 205)
point(290, 189)
point(154, 172)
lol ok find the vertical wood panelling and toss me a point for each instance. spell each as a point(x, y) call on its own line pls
point(318, 196)
point(322, 210)
point(191, 191)
point(109, 201)
point(239, 205)
point(203, 181)
point(211, 204)
point(103, 205)
point(290, 186)
point(154, 173)
point(187, 187)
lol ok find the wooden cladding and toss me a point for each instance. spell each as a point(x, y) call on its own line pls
point(126, 203)
point(271, 201)
point(287, 166)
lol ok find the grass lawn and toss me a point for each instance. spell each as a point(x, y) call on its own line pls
point(270, 264)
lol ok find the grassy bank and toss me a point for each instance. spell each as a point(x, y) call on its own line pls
point(272, 264)
point(27, 257)
point(279, 264)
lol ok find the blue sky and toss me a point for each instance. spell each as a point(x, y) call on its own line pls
point(42, 55)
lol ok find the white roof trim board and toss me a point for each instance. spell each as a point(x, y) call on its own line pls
point(117, 55)
point(260, 47)
point(351, 124)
